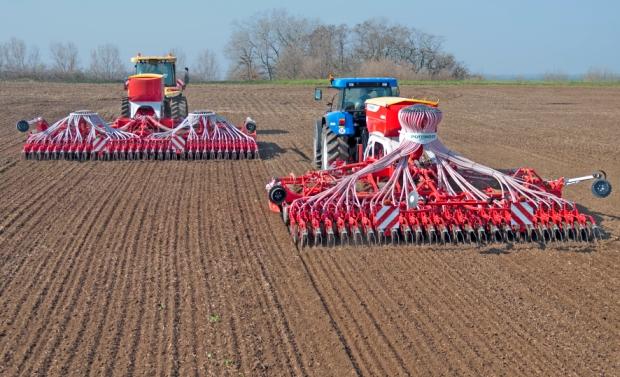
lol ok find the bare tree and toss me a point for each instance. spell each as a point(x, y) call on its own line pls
point(276, 32)
point(321, 48)
point(34, 63)
point(17, 60)
point(64, 58)
point(258, 44)
point(181, 60)
point(292, 64)
point(15, 53)
point(207, 67)
point(105, 63)
point(276, 45)
point(600, 74)
point(242, 53)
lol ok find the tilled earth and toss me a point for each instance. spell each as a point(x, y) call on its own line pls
point(178, 268)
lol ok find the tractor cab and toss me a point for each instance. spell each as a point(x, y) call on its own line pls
point(161, 65)
point(174, 103)
point(164, 66)
point(343, 127)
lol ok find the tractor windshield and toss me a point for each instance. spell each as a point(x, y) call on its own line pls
point(355, 97)
point(163, 68)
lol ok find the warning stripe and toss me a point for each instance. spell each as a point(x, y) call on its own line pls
point(99, 143)
point(387, 217)
point(522, 213)
point(178, 142)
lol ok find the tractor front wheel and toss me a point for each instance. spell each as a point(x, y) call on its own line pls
point(334, 149)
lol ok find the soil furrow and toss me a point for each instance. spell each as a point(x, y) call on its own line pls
point(178, 268)
point(130, 248)
point(285, 255)
point(61, 293)
point(35, 214)
point(89, 284)
point(362, 346)
point(249, 220)
point(144, 281)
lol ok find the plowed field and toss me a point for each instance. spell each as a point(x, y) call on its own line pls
point(178, 268)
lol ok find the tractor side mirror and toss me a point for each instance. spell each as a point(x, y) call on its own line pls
point(186, 77)
point(318, 94)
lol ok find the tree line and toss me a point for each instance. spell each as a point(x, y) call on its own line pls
point(268, 46)
point(19, 61)
point(277, 45)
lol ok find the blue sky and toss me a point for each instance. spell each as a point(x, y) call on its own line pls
point(524, 37)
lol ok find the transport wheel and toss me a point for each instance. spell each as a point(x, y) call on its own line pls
point(334, 148)
point(601, 188)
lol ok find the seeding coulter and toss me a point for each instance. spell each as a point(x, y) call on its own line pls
point(145, 134)
point(410, 188)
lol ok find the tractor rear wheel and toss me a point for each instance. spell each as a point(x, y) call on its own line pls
point(166, 112)
point(185, 107)
point(125, 108)
point(335, 148)
point(318, 144)
point(178, 107)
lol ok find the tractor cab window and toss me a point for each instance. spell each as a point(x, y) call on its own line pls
point(165, 69)
point(355, 97)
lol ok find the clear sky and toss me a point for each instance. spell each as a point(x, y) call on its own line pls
point(525, 37)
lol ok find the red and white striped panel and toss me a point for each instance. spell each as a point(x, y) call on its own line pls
point(387, 217)
point(178, 143)
point(522, 213)
point(180, 83)
point(99, 143)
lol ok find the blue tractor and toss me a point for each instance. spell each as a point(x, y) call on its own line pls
point(339, 132)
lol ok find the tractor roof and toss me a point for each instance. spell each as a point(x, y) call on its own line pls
point(343, 82)
point(153, 58)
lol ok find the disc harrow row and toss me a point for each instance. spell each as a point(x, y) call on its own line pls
point(423, 193)
point(421, 229)
point(84, 135)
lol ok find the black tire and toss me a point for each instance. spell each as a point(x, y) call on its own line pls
point(364, 140)
point(601, 188)
point(334, 148)
point(125, 108)
point(175, 107)
point(167, 112)
point(185, 107)
point(318, 144)
point(178, 107)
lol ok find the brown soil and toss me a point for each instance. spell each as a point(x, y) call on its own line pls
point(178, 268)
